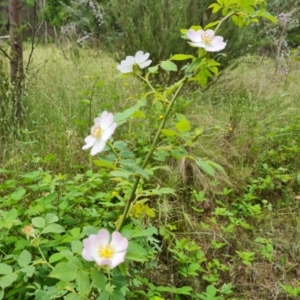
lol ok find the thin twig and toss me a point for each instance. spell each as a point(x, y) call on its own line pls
point(33, 37)
point(5, 53)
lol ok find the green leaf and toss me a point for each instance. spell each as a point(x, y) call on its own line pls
point(165, 190)
point(122, 117)
point(64, 272)
point(183, 126)
point(136, 252)
point(168, 65)
point(182, 57)
point(5, 269)
point(169, 132)
point(18, 194)
point(211, 290)
point(213, 24)
point(153, 69)
point(206, 167)
point(76, 247)
point(147, 232)
point(8, 280)
point(104, 163)
point(24, 258)
point(29, 270)
point(38, 222)
point(53, 228)
point(117, 295)
point(104, 296)
point(51, 218)
point(123, 174)
point(72, 297)
point(83, 282)
point(55, 257)
point(98, 279)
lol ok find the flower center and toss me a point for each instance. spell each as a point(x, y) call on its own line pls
point(206, 37)
point(106, 251)
point(96, 131)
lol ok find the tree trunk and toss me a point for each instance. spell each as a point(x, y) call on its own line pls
point(16, 62)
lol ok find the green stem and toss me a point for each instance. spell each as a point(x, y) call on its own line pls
point(113, 149)
point(148, 82)
point(222, 20)
point(50, 266)
point(152, 148)
point(89, 291)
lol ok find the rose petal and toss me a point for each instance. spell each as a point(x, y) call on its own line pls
point(128, 61)
point(117, 259)
point(103, 236)
point(119, 242)
point(125, 69)
point(109, 132)
point(90, 141)
point(145, 64)
point(194, 36)
point(98, 146)
point(141, 57)
point(210, 32)
point(106, 120)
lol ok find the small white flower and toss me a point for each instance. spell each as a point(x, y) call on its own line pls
point(105, 250)
point(139, 60)
point(206, 39)
point(100, 133)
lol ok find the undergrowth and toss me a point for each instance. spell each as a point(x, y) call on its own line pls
point(229, 235)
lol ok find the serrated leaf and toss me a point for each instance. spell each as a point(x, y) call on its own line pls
point(18, 194)
point(182, 57)
point(72, 297)
point(64, 272)
point(183, 126)
point(147, 232)
point(153, 69)
point(8, 280)
point(38, 222)
point(55, 257)
point(51, 218)
point(76, 247)
point(53, 228)
point(5, 269)
point(104, 296)
point(29, 270)
point(83, 282)
point(24, 258)
point(98, 279)
point(168, 65)
point(123, 174)
point(169, 132)
point(205, 167)
point(104, 163)
point(136, 252)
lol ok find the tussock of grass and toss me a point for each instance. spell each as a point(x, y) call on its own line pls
point(60, 84)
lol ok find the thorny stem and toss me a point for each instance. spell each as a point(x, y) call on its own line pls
point(152, 148)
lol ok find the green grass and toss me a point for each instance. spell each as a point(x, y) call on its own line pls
point(251, 128)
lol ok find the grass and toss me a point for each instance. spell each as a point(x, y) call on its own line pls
point(251, 128)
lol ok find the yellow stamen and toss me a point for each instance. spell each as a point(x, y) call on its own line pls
point(206, 38)
point(106, 251)
point(96, 131)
